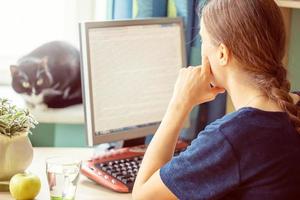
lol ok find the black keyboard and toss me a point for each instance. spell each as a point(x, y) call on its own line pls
point(124, 170)
point(118, 169)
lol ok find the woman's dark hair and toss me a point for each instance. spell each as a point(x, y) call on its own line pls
point(253, 30)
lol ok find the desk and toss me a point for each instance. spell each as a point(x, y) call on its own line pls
point(86, 189)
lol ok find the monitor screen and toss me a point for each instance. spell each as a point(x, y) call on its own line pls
point(129, 69)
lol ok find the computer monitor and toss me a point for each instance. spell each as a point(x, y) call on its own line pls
point(129, 69)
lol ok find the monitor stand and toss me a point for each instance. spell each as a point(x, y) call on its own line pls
point(134, 142)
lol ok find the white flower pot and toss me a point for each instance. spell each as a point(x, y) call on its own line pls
point(16, 154)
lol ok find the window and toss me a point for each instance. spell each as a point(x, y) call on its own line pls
point(28, 24)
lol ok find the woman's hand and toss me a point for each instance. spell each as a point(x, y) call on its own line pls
point(193, 86)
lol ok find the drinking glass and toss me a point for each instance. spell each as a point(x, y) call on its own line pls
point(62, 175)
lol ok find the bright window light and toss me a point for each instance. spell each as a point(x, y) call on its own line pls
point(28, 24)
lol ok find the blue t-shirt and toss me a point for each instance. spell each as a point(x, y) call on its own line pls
point(249, 154)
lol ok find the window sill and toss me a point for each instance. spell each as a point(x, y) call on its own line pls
point(69, 115)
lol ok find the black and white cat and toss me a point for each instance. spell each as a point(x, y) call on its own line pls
point(49, 76)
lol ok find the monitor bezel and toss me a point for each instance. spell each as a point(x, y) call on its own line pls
point(139, 131)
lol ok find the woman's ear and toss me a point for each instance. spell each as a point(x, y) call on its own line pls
point(223, 54)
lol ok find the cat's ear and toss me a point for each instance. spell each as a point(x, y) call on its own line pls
point(14, 70)
point(44, 62)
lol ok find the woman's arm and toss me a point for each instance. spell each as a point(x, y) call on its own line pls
point(148, 184)
point(192, 88)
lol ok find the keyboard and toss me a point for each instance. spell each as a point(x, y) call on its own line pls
point(117, 169)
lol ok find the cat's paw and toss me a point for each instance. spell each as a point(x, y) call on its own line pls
point(30, 105)
point(51, 92)
point(41, 107)
point(66, 93)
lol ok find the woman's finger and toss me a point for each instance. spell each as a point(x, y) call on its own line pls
point(206, 68)
point(217, 90)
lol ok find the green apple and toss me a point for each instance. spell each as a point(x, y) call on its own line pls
point(24, 186)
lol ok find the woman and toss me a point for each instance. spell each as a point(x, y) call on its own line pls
point(252, 153)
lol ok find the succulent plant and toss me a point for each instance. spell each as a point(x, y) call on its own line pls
point(13, 120)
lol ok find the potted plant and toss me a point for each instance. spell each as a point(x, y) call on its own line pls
point(16, 151)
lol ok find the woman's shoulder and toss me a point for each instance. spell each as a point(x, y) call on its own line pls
point(246, 115)
point(247, 120)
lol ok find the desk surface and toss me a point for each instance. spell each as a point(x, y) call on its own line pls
point(86, 189)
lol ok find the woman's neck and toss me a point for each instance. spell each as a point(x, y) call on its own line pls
point(245, 94)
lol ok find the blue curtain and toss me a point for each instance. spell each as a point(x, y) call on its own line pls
point(188, 10)
point(119, 9)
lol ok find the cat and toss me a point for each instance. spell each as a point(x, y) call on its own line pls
point(49, 76)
